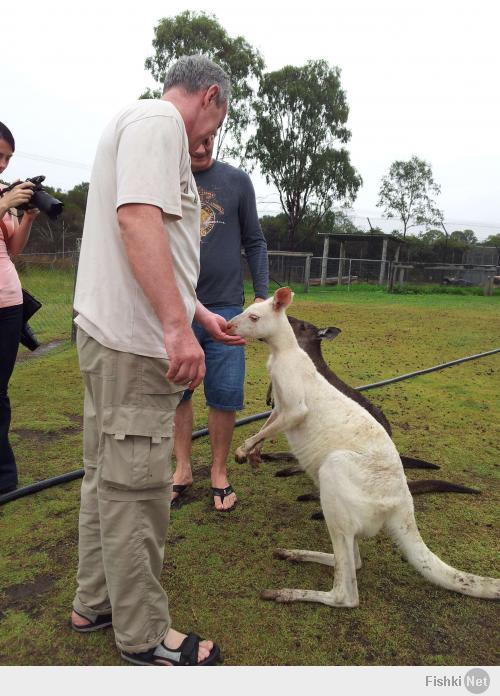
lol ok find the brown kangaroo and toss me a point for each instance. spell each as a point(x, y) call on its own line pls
point(309, 338)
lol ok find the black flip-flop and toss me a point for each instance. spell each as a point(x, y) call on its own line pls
point(180, 489)
point(102, 621)
point(223, 493)
point(186, 655)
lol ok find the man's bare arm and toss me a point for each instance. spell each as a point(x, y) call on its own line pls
point(147, 246)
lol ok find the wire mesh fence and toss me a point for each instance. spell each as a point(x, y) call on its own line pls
point(51, 279)
point(347, 270)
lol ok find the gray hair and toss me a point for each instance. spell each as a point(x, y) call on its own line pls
point(195, 73)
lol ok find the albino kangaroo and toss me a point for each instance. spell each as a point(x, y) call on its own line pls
point(349, 456)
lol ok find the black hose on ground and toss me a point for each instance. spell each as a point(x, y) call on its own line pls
point(72, 475)
point(426, 371)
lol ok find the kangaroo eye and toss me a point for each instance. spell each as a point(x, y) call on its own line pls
point(254, 317)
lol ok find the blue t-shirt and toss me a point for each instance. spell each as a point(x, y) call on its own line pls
point(229, 222)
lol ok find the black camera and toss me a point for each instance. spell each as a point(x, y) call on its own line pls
point(40, 199)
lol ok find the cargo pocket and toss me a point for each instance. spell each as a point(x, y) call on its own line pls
point(134, 453)
point(155, 390)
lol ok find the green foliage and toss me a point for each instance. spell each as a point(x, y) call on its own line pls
point(493, 240)
point(198, 33)
point(301, 116)
point(337, 222)
point(308, 236)
point(467, 238)
point(406, 192)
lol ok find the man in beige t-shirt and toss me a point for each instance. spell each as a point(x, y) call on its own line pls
point(135, 298)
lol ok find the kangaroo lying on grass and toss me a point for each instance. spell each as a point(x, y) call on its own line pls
point(350, 457)
point(309, 338)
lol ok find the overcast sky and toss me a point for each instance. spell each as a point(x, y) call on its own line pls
point(421, 78)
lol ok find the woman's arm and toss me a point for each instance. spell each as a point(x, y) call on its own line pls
point(18, 240)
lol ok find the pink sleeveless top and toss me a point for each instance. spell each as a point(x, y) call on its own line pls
point(10, 285)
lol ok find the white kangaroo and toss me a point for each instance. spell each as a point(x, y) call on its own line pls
point(350, 457)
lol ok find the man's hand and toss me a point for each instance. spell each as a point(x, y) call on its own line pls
point(216, 326)
point(186, 357)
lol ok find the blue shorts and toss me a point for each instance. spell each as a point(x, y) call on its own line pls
point(225, 365)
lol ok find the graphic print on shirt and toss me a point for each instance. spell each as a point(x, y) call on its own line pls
point(211, 212)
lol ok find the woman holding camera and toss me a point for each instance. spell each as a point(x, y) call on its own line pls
point(13, 239)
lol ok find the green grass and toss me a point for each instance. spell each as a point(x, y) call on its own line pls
point(53, 287)
point(216, 565)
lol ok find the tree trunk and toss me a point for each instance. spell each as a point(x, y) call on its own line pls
point(291, 236)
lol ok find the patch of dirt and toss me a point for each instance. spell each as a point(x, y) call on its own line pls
point(38, 435)
point(192, 495)
point(42, 350)
point(25, 596)
point(174, 540)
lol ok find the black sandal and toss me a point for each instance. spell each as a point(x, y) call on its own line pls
point(223, 493)
point(102, 621)
point(185, 655)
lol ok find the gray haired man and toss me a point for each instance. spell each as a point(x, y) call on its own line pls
point(135, 298)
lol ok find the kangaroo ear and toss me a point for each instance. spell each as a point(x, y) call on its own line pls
point(282, 299)
point(329, 333)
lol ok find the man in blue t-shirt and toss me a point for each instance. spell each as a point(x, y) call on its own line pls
point(229, 222)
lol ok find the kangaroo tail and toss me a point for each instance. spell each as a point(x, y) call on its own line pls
point(437, 486)
point(403, 529)
point(413, 463)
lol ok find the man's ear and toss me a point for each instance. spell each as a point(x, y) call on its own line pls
point(211, 95)
point(282, 299)
point(329, 333)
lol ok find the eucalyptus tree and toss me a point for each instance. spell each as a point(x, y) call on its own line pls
point(199, 33)
point(407, 193)
point(301, 116)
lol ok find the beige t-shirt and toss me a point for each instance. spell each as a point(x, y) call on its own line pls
point(142, 157)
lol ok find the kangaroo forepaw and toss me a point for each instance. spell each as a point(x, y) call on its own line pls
point(254, 457)
point(240, 455)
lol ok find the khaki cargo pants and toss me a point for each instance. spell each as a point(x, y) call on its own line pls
point(125, 499)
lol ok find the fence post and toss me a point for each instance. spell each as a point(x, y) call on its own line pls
point(341, 263)
point(488, 286)
point(307, 272)
point(324, 260)
point(382, 263)
point(392, 274)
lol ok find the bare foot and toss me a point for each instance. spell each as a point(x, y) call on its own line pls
point(79, 620)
